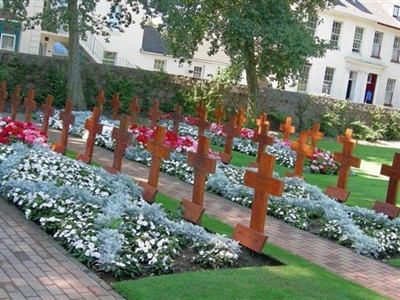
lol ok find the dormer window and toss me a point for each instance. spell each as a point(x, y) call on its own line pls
point(396, 11)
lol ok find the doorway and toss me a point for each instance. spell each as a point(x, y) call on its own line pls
point(370, 88)
point(351, 85)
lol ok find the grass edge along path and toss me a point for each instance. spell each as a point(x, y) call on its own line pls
point(297, 279)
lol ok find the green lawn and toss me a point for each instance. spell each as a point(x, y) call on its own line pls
point(297, 279)
point(365, 188)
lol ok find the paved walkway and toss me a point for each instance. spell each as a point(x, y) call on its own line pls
point(335, 258)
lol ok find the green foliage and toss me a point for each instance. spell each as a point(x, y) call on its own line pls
point(334, 121)
point(57, 80)
point(301, 108)
point(393, 127)
point(275, 118)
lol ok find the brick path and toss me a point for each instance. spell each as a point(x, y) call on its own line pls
point(333, 257)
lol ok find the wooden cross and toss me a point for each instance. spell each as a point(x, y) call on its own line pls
point(302, 150)
point(231, 130)
point(202, 123)
point(264, 185)
point(100, 99)
point(158, 152)
point(29, 105)
point(219, 114)
point(346, 160)
point(154, 114)
point(48, 112)
point(15, 102)
point(94, 127)
point(389, 207)
point(116, 105)
point(202, 165)
point(176, 117)
point(134, 109)
point(315, 134)
point(3, 95)
point(121, 136)
point(287, 128)
point(68, 119)
point(240, 118)
point(261, 137)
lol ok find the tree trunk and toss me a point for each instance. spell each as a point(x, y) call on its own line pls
point(74, 82)
point(250, 66)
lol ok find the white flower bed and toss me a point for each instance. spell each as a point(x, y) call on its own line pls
point(101, 218)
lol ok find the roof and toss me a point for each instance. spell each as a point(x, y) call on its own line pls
point(379, 11)
point(152, 41)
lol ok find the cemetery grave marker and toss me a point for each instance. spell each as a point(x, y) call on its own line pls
point(346, 160)
point(315, 134)
point(158, 152)
point(30, 105)
point(202, 123)
point(287, 128)
point(154, 114)
point(100, 99)
point(202, 165)
point(302, 150)
point(240, 118)
point(389, 207)
point(261, 137)
point(116, 105)
point(231, 130)
point(94, 127)
point(176, 117)
point(3, 96)
point(67, 118)
point(122, 137)
point(219, 114)
point(134, 109)
point(15, 102)
point(48, 112)
point(264, 185)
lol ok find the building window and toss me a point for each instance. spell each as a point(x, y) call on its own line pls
point(358, 36)
point(60, 49)
point(396, 50)
point(328, 79)
point(198, 72)
point(7, 41)
point(311, 25)
point(335, 36)
point(396, 11)
point(1, 4)
point(303, 78)
point(109, 58)
point(376, 46)
point(159, 65)
point(389, 92)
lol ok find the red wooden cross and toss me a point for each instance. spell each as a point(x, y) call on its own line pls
point(48, 112)
point(158, 152)
point(100, 99)
point(116, 105)
point(3, 95)
point(154, 114)
point(264, 185)
point(240, 118)
point(176, 117)
point(261, 136)
point(315, 134)
point(15, 102)
point(202, 165)
point(29, 105)
point(231, 130)
point(389, 207)
point(94, 127)
point(134, 109)
point(67, 118)
point(287, 128)
point(219, 114)
point(121, 136)
point(346, 160)
point(302, 150)
point(202, 123)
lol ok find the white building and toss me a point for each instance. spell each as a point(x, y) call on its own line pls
point(366, 58)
